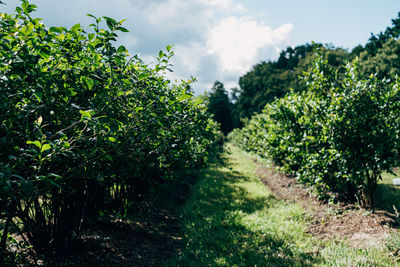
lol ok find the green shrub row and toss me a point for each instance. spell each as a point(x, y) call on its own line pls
point(85, 128)
point(338, 136)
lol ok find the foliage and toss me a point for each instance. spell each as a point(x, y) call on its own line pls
point(339, 135)
point(269, 80)
point(385, 62)
point(220, 106)
point(86, 129)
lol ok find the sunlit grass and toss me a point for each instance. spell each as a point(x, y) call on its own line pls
point(232, 219)
point(340, 254)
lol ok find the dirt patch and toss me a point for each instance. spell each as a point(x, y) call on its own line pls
point(123, 242)
point(360, 228)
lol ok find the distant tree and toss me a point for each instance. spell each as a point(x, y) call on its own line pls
point(235, 93)
point(385, 62)
point(376, 42)
point(356, 51)
point(220, 106)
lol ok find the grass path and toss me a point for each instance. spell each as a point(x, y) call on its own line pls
point(232, 219)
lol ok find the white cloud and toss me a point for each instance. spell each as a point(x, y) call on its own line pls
point(236, 42)
point(190, 56)
point(227, 5)
point(177, 16)
point(221, 43)
point(218, 41)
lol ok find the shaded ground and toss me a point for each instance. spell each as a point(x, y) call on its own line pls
point(360, 228)
point(147, 237)
point(146, 241)
point(124, 242)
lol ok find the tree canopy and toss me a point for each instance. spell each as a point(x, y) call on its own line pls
point(220, 106)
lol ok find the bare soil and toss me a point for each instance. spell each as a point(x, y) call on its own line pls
point(345, 222)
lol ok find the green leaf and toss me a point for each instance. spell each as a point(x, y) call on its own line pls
point(45, 147)
point(121, 49)
point(28, 8)
point(76, 27)
point(143, 76)
point(44, 54)
point(122, 29)
point(110, 22)
point(92, 16)
point(85, 115)
point(199, 101)
point(27, 29)
point(38, 96)
point(169, 47)
point(184, 97)
point(88, 82)
point(91, 36)
point(97, 43)
point(112, 139)
point(54, 176)
point(66, 144)
point(36, 143)
point(57, 29)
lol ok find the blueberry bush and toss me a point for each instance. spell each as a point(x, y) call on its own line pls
point(85, 128)
point(337, 136)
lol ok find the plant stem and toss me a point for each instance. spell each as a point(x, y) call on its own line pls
point(3, 241)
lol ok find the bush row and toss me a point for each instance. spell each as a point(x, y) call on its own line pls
point(338, 136)
point(85, 128)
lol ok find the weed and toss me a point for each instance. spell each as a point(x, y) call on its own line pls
point(397, 213)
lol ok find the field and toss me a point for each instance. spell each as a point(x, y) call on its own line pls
point(106, 161)
point(240, 213)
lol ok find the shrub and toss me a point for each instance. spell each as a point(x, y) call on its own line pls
point(338, 136)
point(85, 127)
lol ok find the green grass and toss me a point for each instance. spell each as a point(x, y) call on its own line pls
point(232, 219)
point(388, 195)
point(339, 254)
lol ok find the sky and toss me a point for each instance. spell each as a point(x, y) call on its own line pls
point(222, 39)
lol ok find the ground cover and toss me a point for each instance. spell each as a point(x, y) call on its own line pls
point(231, 219)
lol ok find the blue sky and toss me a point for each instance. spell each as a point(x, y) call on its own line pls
point(344, 23)
point(222, 39)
